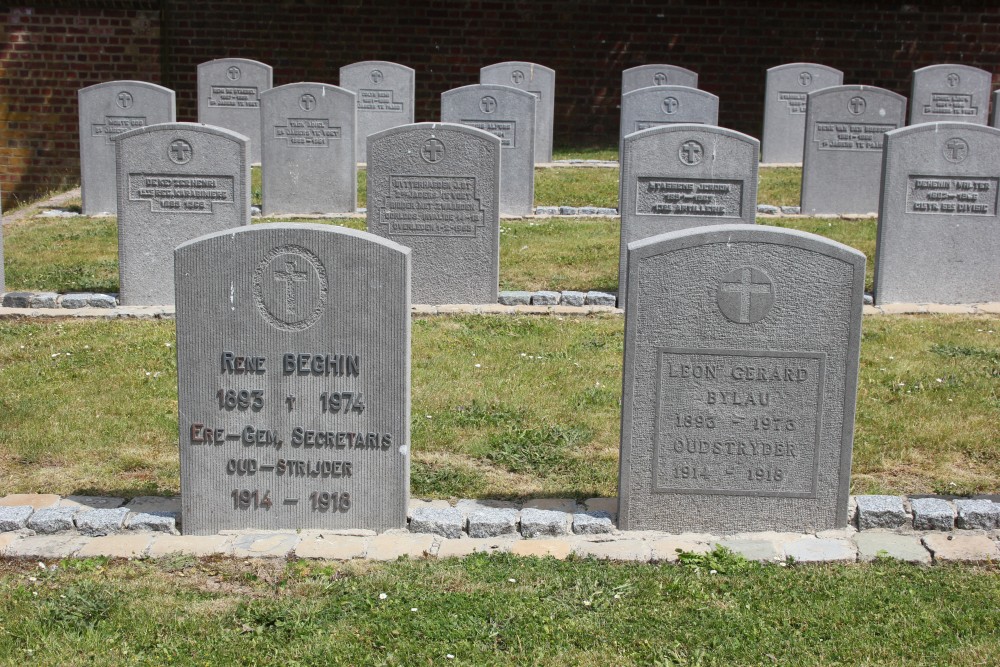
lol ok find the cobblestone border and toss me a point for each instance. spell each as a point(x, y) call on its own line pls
point(48, 526)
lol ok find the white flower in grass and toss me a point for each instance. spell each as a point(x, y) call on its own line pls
point(382, 596)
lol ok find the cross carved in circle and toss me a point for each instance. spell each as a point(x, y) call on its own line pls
point(488, 104)
point(857, 105)
point(670, 105)
point(180, 151)
point(691, 152)
point(432, 150)
point(124, 99)
point(660, 78)
point(955, 150)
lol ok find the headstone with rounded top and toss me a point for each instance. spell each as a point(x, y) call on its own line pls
point(293, 377)
point(538, 80)
point(509, 114)
point(435, 188)
point(385, 94)
point(740, 379)
point(229, 96)
point(643, 76)
point(939, 226)
point(107, 110)
point(950, 93)
point(842, 159)
point(666, 105)
point(308, 163)
point(176, 181)
point(679, 176)
point(785, 108)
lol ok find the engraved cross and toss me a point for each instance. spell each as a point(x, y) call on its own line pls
point(745, 288)
point(289, 277)
point(180, 152)
point(433, 150)
point(956, 150)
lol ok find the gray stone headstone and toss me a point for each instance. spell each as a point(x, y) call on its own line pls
point(176, 181)
point(740, 379)
point(950, 93)
point(665, 105)
point(995, 112)
point(294, 404)
point(538, 80)
point(842, 160)
point(939, 224)
point(785, 107)
point(384, 97)
point(679, 176)
point(644, 76)
point(229, 96)
point(107, 110)
point(308, 153)
point(509, 114)
point(435, 188)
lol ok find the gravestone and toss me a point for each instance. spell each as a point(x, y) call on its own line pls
point(176, 181)
point(842, 160)
point(740, 378)
point(509, 114)
point(107, 110)
point(294, 402)
point(995, 112)
point(938, 224)
point(665, 105)
point(435, 188)
point(644, 76)
point(538, 80)
point(308, 163)
point(384, 97)
point(785, 107)
point(680, 176)
point(229, 96)
point(950, 93)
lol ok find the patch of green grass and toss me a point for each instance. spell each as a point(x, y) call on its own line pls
point(779, 186)
point(585, 153)
point(90, 406)
point(500, 610)
point(559, 254)
point(62, 255)
point(565, 186)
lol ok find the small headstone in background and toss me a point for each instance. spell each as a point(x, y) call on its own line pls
point(785, 107)
point(679, 176)
point(939, 224)
point(229, 96)
point(950, 93)
point(384, 97)
point(995, 112)
point(842, 160)
point(294, 401)
point(666, 105)
point(176, 181)
point(435, 188)
point(538, 80)
point(107, 110)
point(644, 76)
point(308, 160)
point(509, 114)
point(740, 378)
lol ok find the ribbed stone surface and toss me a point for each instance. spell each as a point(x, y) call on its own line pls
point(543, 523)
point(932, 514)
point(592, 523)
point(515, 298)
point(52, 520)
point(14, 518)
point(977, 514)
point(443, 522)
point(493, 522)
point(101, 522)
point(881, 512)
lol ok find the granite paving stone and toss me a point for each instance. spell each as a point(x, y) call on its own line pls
point(14, 518)
point(572, 298)
point(486, 523)
point(977, 514)
point(543, 523)
point(592, 523)
point(515, 298)
point(545, 298)
point(100, 521)
point(881, 512)
point(932, 514)
point(444, 522)
point(595, 298)
point(52, 520)
point(159, 522)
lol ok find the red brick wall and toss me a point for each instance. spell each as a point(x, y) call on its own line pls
point(729, 42)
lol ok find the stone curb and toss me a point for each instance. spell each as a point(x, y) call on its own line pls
point(43, 526)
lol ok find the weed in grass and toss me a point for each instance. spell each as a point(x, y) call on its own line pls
point(537, 450)
point(80, 606)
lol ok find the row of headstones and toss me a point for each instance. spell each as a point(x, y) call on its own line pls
point(309, 137)
point(294, 383)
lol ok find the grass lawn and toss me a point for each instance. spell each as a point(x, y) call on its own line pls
point(496, 610)
point(91, 406)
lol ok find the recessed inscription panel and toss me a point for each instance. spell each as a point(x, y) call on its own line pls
point(950, 104)
point(168, 193)
point(236, 97)
point(505, 129)
point(433, 206)
point(307, 132)
point(851, 136)
point(795, 102)
point(378, 100)
point(952, 196)
point(736, 422)
point(115, 125)
point(689, 196)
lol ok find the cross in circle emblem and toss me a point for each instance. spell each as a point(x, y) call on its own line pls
point(956, 150)
point(805, 78)
point(180, 151)
point(660, 78)
point(432, 150)
point(124, 99)
point(488, 104)
point(691, 152)
point(670, 105)
point(857, 105)
point(233, 73)
point(517, 76)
